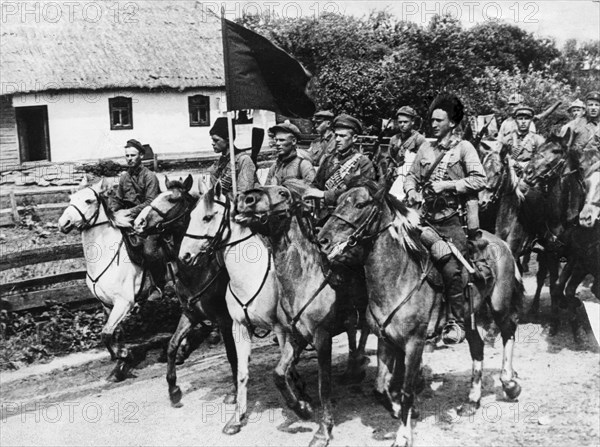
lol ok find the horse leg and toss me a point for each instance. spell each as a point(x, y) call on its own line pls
point(508, 327)
point(183, 328)
point(577, 276)
point(476, 349)
point(323, 347)
point(356, 364)
point(386, 359)
point(225, 326)
point(412, 365)
point(553, 264)
point(540, 278)
point(290, 351)
point(118, 313)
point(243, 347)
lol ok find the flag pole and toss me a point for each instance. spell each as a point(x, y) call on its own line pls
point(229, 113)
point(232, 154)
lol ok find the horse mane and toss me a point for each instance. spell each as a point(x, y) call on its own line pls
point(405, 226)
point(514, 180)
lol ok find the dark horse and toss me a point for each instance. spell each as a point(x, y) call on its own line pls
point(367, 229)
point(307, 308)
point(200, 289)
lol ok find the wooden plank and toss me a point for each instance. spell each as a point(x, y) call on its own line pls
point(17, 286)
point(71, 294)
point(39, 255)
point(13, 206)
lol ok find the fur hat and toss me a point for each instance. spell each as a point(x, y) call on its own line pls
point(220, 129)
point(449, 103)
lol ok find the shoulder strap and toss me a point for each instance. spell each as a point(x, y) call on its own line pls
point(435, 164)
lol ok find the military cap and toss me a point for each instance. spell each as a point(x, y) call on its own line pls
point(220, 128)
point(407, 111)
point(515, 99)
point(347, 122)
point(522, 109)
point(285, 127)
point(578, 103)
point(449, 103)
point(593, 96)
point(324, 114)
point(136, 145)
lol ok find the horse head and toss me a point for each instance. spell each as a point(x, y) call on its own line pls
point(548, 160)
point(358, 211)
point(494, 172)
point(86, 207)
point(268, 209)
point(208, 227)
point(169, 208)
point(590, 214)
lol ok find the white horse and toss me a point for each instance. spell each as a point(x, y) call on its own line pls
point(252, 295)
point(111, 276)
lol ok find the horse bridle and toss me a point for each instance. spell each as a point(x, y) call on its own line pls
point(219, 235)
point(93, 221)
point(496, 192)
point(162, 226)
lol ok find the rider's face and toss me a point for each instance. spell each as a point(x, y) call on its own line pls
point(592, 108)
point(219, 144)
point(285, 143)
point(343, 139)
point(405, 123)
point(133, 157)
point(523, 123)
point(441, 125)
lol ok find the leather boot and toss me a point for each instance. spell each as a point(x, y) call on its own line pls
point(454, 329)
point(157, 272)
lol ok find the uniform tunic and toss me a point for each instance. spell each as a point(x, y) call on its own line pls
point(321, 147)
point(292, 167)
point(244, 168)
point(138, 187)
point(362, 167)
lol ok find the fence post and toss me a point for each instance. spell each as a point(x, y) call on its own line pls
point(13, 206)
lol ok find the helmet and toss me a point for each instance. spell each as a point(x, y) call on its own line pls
point(515, 99)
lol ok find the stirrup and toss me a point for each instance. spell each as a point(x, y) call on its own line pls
point(453, 333)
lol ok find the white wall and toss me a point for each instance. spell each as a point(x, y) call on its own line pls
point(79, 123)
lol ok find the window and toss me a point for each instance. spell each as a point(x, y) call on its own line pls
point(199, 107)
point(120, 113)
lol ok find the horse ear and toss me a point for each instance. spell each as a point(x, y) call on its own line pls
point(188, 182)
point(202, 186)
point(218, 189)
point(84, 182)
point(504, 151)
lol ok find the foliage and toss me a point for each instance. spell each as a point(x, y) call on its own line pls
point(30, 337)
point(369, 66)
point(104, 168)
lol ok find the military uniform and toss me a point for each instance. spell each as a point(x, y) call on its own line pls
point(321, 147)
point(292, 167)
point(244, 167)
point(509, 127)
point(457, 163)
point(138, 187)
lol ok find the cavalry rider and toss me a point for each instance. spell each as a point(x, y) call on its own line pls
point(576, 109)
point(404, 146)
point(245, 169)
point(289, 164)
point(138, 186)
point(509, 125)
point(587, 126)
point(324, 144)
point(344, 164)
point(446, 176)
point(523, 143)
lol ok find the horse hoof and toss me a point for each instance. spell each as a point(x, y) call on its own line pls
point(554, 327)
point(232, 428)
point(319, 441)
point(303, 410)
point(230, 398)
point(415, 413)
point(512, 389)
point(468, 408)
point(119, 373)
point(175, 397)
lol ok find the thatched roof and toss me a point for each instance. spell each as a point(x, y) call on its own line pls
point(171, 45)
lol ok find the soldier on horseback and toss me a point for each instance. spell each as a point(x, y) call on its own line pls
point(446, 177)
point(138, 186)
point(522, 143)
point(289, 165)
point(586, 127)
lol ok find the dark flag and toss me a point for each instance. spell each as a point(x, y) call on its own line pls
point(260, 75)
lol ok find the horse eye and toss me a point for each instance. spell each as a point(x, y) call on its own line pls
point(89, 201)
point(283, 194)
point(361, 205)
point(208, 218)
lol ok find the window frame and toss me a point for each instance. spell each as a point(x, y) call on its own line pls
point(196, 102)
point(114, 106)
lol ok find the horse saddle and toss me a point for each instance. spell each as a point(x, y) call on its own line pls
point(134, 245)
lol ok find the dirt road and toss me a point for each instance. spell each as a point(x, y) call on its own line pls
point(559, 405)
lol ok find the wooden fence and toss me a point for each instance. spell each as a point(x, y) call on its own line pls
point(35, 292)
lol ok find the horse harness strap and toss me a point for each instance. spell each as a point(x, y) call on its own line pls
point(388, 320)
point(95, 280)
point(251, 326)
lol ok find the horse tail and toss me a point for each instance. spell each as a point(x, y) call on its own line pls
point(518, 294)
